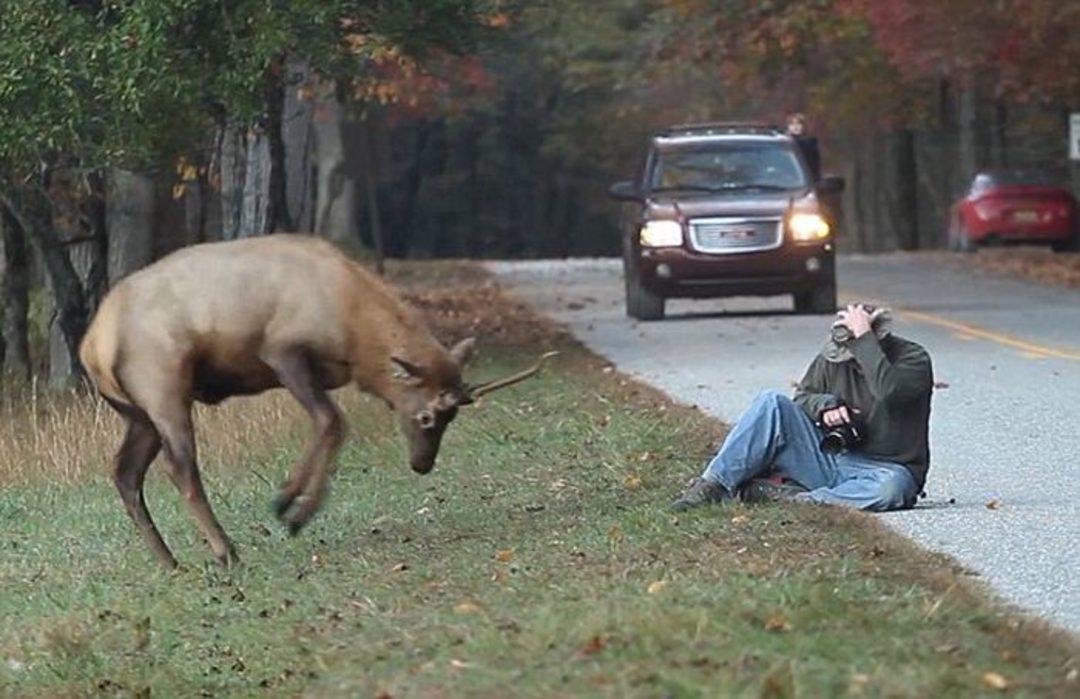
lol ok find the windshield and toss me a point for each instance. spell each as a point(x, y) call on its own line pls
point(728, 167)
point(1010, 178)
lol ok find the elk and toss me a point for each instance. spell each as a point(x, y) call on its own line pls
point(241, 317)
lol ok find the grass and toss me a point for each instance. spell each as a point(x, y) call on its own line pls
point(537, 560)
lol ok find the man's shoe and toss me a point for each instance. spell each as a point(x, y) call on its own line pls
point(768, 490)
point(701, 492)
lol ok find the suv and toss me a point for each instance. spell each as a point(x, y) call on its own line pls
point(726, 210)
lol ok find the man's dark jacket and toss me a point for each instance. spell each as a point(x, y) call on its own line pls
point(889, 382)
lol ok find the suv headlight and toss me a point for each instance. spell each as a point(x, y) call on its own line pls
point(808, 227)
point(661, 234)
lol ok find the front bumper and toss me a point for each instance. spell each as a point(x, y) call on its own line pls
point(791, 268)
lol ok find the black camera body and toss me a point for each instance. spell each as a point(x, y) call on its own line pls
point(842, 437)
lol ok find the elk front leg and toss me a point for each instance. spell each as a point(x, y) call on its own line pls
point(303, 494)
point(141, 444)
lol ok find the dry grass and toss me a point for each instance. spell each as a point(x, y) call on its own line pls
point(65, 436)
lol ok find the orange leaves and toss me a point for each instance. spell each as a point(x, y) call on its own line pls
point(467, 607)
point(594, 645)
point(777, 623)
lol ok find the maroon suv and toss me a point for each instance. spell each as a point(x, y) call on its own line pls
point(727, 210)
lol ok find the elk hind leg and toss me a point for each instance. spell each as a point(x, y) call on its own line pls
point(141, 444)
point(178, 435)
point(303, 494)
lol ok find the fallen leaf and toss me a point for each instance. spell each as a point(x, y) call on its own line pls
point(777, 622)
point(740, 519)
point(458, 664)
point(499, 575)
point(994, 504)
point(467, 607)
point(633, 481)
point(995, 681)
point(400, 567)
point(505, 556)
point(657, 586)
point(594, 645)
point(646, 456)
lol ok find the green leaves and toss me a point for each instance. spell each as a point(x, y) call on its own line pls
point(135, 82)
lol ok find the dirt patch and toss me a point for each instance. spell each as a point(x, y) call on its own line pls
point(461, 299)
point(1041, 265)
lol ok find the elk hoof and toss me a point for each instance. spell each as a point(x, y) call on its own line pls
point(295, 516)
point(281, 504)
point(229, 559)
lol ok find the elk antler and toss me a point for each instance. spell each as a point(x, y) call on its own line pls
point(475, 392)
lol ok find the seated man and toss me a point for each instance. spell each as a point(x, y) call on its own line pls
point(864, 376)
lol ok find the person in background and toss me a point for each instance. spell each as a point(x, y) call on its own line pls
point(796, 128)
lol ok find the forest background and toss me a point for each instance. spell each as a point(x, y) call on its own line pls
point(474, 128)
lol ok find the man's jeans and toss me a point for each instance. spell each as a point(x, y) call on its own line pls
point(775, 433)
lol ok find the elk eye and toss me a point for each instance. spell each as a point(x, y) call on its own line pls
point(426, 419)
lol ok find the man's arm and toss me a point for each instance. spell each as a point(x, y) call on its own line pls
point(810, 393)
point(906, 377)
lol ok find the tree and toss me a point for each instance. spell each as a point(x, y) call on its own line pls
point(87, 87)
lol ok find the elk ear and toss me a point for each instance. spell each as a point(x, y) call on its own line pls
point(463, 351)
point(404, 370)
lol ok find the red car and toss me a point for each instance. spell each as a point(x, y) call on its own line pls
point(1013, 206)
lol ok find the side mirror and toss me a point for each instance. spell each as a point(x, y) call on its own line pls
point(625, 191)
point(831, 184)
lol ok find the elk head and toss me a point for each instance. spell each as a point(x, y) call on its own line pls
point(429, 396)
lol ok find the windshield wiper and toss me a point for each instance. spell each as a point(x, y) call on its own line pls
point(753, 185)
point(684, 188)
point(726, 187)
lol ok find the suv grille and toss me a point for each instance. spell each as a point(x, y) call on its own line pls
point(733, 235)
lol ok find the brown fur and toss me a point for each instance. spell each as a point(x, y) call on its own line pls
point(241, 317)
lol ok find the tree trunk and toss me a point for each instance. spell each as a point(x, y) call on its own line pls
point(970, 151)
point(371, 182)
point(277, 201)
point(70, 305)
point(78, 218)
point(15, 288)
point(336, 193)
point(130, 221)
point(245, 168)
point(297, 133)
point(902, 188)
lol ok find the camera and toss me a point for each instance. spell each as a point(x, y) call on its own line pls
point(842, 437)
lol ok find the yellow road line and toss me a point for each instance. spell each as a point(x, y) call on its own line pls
point(1034, 349)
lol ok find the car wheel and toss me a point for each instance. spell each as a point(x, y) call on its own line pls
point(1070, 244)
point(959, 240)
point(641, 304)
point(820, 301)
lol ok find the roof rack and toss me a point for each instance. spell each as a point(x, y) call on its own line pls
point(721, 127)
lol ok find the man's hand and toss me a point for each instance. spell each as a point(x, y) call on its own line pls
point(836, 416)
point(857, 320)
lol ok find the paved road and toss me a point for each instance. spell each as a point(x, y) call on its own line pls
point(1006, 428)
